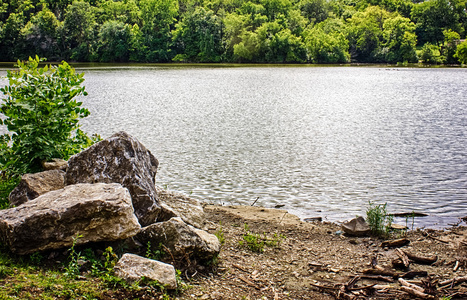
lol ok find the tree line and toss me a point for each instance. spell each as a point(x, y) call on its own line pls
point(257, 31)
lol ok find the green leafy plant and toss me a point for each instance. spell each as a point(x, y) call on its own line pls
point(155, 254)
point(8, 182)
point(41, 114)
point(74, 257)
point(220, 234)
point(378, 219)
point(256, 242)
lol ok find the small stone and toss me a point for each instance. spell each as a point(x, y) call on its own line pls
point(132, 268)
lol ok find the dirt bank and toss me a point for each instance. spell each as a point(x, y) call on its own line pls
point(314, 260)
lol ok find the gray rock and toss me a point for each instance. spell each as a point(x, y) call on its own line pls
point(32, 186)
point(133, 268)
point(97, 212)
point(55, 164)
point(180, 239)
point(356, 227)
point(121, 159)
point(179, 205)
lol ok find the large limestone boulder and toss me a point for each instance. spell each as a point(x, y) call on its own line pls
point(180, 239)
point(179, 205)
point(133, 268)
point(96, 212)
point(32, 186)
point(121, 159)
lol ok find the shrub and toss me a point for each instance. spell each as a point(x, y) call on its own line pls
point(461, 53)
point(41, 115)
point(378, 219)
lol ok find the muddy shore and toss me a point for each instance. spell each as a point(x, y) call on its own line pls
point(316, 261)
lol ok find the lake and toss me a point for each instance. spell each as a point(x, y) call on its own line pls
point(322, 141)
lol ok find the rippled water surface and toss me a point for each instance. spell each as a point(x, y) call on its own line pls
point(322, 141)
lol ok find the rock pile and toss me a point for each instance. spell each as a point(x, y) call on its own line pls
point(108, 193)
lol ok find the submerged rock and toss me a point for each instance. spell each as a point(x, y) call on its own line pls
point(94, 212)
point(121, 159)
point(132, 268)
point(32, 186)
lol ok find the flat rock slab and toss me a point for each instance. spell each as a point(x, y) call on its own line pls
point(133, 268)
point(32, 186)
point(120, 159)
point(97, 212)
point(179, 205)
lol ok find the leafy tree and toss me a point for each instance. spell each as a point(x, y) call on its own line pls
point(432, 17)
point(114, 42)
point(431, 54)
point(276, 8)
point(126, 11)
point(41, 115)
point(277, 44)
point(79, 31)
point(11, 39)
point(316, 11)
point(399, 39)
point(461, 53)
point(365, 33)
point(41, 33)
point(449, 48)
point(198, 37)
point(158, 17)
point(326, 47)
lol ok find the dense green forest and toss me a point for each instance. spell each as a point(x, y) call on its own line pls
point(271, 31)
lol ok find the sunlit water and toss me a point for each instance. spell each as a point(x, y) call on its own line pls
point(322, 141)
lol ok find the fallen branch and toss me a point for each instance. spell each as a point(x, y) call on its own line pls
point(452, 282)
point(436, 239)
point(413, 274)
point(416, 293)
point(395, 243)
point(403, 257)
point(377, 277)
point(415, 290)
point(425, 260)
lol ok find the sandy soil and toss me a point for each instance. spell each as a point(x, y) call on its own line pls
point(312, 256)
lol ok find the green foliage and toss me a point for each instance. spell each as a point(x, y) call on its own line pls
point(154, 253)
point(199, 37)
point(451, 38)
point(276, 31)
point(220, 234)
point(461, 52)
point(431, 54)
point(256, 242)
point(8, 182)
point(41, 114)
point(114, 42)
point(378, 219)
point(74, 258)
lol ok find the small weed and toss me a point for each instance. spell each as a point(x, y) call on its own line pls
point(156, 254)
point(220, 234)
point(256, 242)
point(36, 258)
point(72, 268)
point(378, 219)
